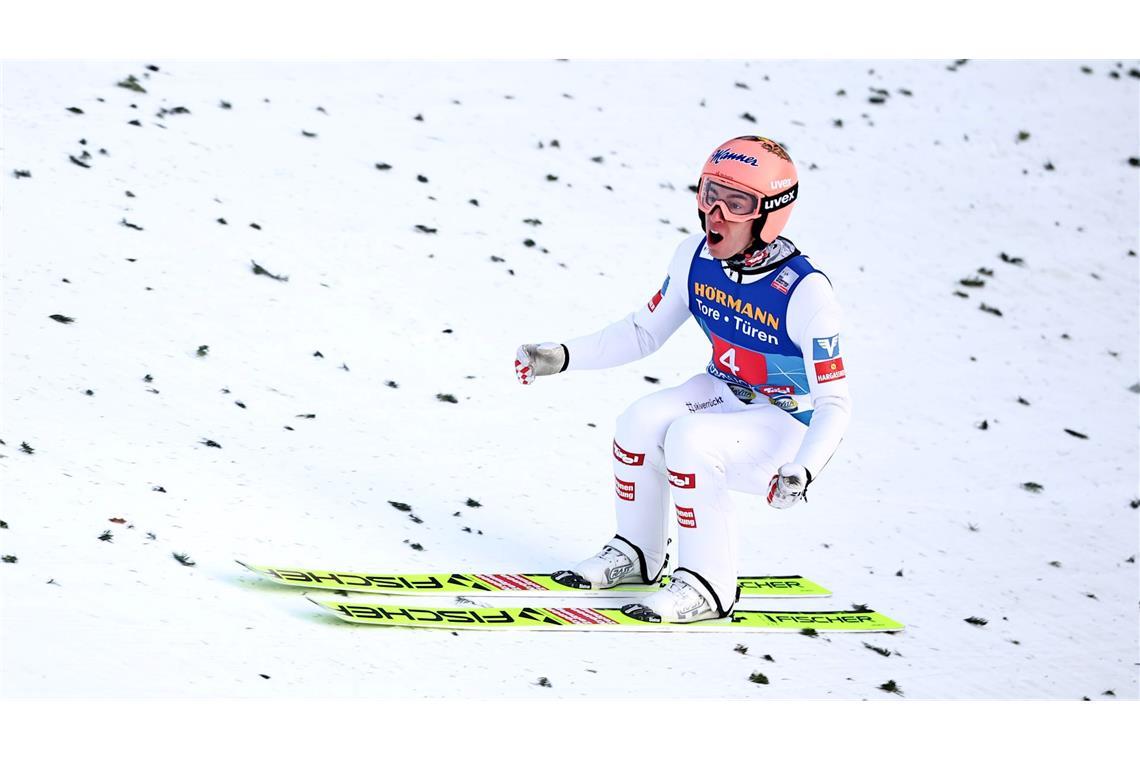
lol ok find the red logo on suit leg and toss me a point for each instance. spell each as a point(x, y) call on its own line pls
point(625, 489)
point(686, 517)
point(628, 457)
point(683, 479)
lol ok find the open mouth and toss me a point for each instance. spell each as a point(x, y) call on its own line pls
point(715, 237)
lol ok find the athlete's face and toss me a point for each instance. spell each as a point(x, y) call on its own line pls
point(726, 239)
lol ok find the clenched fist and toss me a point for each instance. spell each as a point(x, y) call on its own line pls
point(533, 360)
point(788, 486)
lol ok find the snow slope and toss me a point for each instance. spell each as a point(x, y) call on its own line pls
point(922, 514)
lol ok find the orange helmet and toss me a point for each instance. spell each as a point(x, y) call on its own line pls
point(750, 178)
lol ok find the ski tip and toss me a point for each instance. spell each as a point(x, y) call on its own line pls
point(247, 567)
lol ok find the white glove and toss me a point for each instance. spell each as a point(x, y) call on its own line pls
point(533, 360)
point(788, 486)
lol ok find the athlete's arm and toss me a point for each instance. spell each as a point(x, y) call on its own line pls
point(814, 323)
point(643, 331)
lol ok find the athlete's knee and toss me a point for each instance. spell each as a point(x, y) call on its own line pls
point(639, 420)
point(638, 434)
point(687, 449)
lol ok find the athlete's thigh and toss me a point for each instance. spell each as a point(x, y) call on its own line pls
point(653, 414)
point(750, 444)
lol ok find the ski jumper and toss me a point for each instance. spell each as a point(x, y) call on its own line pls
point(774, 391)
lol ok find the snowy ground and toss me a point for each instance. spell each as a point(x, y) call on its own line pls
point(923, 514)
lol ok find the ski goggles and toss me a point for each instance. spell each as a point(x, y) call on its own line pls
point(738, 203)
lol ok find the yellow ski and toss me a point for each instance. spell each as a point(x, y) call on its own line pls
point(503, 584)
point(601, 619)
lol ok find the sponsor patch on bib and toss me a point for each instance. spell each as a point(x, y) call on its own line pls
point(784, 280)
point(787, 403)
point(744, 393)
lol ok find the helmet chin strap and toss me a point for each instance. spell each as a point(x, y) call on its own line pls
point(757, 225)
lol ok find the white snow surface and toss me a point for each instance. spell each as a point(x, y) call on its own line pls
point(921, 514)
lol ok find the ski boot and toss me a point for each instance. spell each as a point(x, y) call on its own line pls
point(618, 562)
point(686, 599)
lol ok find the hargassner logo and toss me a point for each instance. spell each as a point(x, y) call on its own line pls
point(728, 155)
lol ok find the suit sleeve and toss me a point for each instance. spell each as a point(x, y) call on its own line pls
point(645, 330)
point(814, 322)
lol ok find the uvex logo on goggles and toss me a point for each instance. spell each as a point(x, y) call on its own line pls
point(779, 201)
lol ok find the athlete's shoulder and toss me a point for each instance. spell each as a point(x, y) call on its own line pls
point(683, 256)
point(810, 289)
point(799, 261)
point(690, 246)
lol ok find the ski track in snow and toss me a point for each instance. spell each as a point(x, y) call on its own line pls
point(922, 514)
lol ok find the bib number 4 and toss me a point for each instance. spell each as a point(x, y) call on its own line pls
point(749, 366)
point(728, 361)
